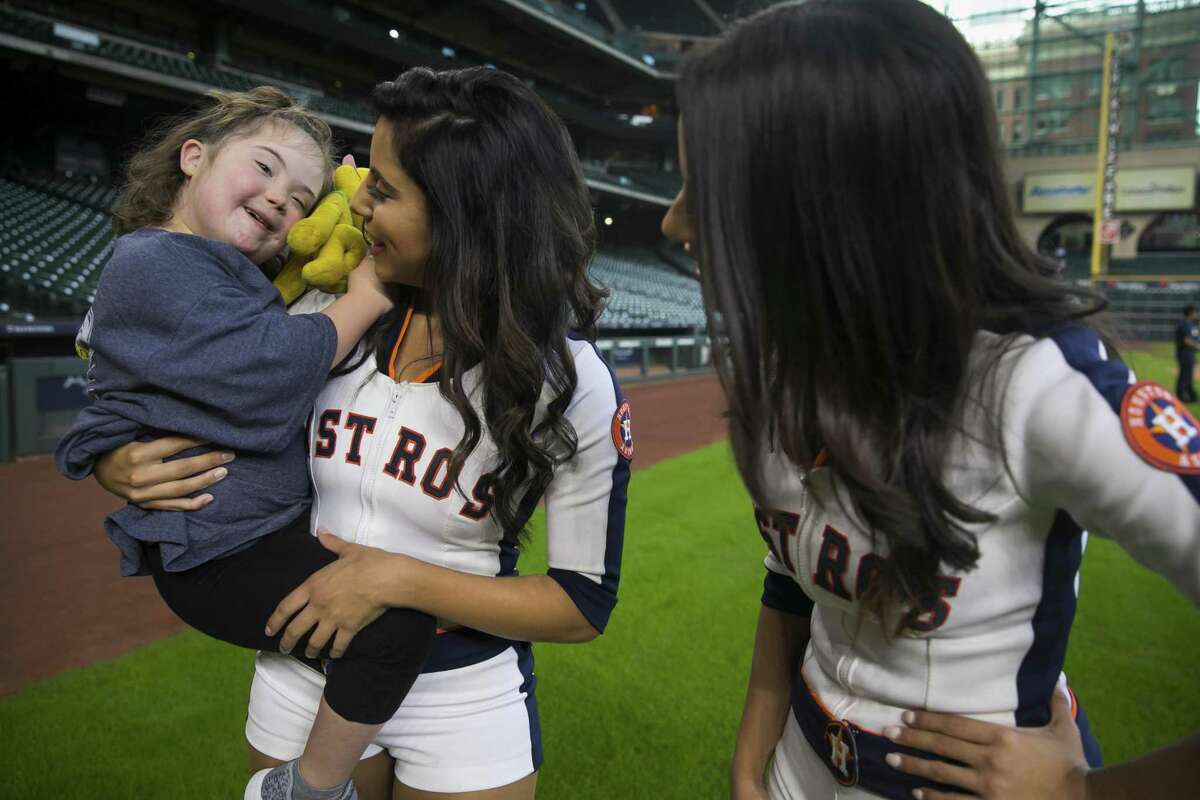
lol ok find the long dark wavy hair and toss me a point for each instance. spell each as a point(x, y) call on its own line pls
point(854, 235)
point(512, 231)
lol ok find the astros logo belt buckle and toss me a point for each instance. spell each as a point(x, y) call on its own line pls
point(843, 752)
point(1160, 429)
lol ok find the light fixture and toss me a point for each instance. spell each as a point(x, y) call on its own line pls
point(395, 34)
point(608, 220)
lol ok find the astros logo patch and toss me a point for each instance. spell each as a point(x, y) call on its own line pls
point(1160, 429)
point(622, 431)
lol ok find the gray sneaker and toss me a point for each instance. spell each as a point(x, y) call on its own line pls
point(278, 784)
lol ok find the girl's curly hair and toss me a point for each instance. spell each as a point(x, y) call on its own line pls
point(153, 179)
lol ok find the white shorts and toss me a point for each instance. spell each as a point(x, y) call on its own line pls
point(460, 730)
point(797, 773)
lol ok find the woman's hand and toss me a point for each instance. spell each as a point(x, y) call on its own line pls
point(338, 600)
point(1001, 763)
point(137, 473)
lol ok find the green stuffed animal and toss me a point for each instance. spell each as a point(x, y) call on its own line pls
point(327, 244)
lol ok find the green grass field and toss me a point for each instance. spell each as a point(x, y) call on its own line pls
point(648, 710)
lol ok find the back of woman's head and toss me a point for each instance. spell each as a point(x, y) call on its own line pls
point(153, 178)
point(855, 233)
point(512, 232)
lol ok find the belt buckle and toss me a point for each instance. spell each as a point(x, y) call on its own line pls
point(843, 752)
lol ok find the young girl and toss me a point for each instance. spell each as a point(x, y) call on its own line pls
point(188, 335)
point(923, 417)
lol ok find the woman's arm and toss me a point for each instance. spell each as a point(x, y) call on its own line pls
point(778, 647)
point(350, 593)
point(138, 473)
point(1003, 763)
point(525, 608)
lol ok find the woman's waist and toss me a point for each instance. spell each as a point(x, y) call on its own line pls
point(860, 673)
point(873, 696)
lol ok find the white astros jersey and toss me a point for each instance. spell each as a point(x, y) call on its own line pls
point(1088, 449)
point(380, 454)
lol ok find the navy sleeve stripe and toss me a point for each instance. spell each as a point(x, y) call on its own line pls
point(782, 593)
point(1081, 348)
point(594, 600)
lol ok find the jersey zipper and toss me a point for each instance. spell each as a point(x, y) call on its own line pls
point(373, 463)
point(799, 551)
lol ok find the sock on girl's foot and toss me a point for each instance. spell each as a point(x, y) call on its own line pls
point(285, 783)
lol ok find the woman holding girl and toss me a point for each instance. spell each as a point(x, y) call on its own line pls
point(479, 395)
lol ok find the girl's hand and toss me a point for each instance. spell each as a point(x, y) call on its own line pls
point(1001, 763)
point(363, 281)
point(138, 473)
point(337, 600)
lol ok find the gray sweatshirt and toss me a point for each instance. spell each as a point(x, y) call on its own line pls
point(189, 337)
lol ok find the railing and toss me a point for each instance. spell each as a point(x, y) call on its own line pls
point(641, 358)
point(1147, 308)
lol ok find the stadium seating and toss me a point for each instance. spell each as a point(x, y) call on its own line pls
point(86, 191)
point(11, 315)
point(161, 60)
point(645, 292)
point(59, 239)
point(658, 184)
point(670, 16)
point(593, 23)
point(176, 65)
point(51, 252)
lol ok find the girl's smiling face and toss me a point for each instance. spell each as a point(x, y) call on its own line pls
point(251, 190)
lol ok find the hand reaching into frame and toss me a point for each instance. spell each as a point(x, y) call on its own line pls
point(999, 762)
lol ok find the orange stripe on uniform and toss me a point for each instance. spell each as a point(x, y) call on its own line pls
point(424, 376)
point(396, 347)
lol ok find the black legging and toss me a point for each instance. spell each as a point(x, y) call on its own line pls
point(231, 599)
